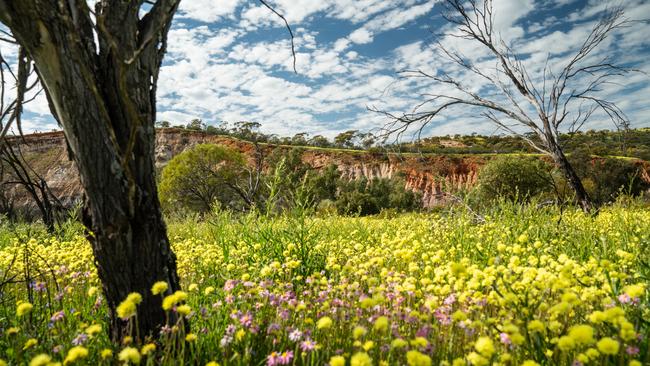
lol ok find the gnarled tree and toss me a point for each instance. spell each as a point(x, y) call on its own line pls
point(103, 94)
point(100, 69)
point(509, 96)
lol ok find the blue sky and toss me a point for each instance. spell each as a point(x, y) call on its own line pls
point(230, 60)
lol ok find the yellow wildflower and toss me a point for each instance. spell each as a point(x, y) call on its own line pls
point(147, 349)
point(566, 343)
point(536, 326)
point(93, 329)
point(75, 354)
point(183, 309)
point(484, 346)
point(582, 334)
point(324, 322)
point(40, 360)
point(106, 353)
point(23, 309)
point(129, 355)
point(134, 297)
point(126, 309)
point(381, 324)
point(337, 361)
point(358, 332)
point(398, 343)
point(30, 343)
point(159, 287)
point(415, 358)
point(634, 291)
point(360, 359)
point(608, 346)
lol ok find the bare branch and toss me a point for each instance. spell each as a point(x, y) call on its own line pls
point(286, 23)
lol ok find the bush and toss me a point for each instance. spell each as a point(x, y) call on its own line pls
point(513, 178)
point(605, 178)
point(201, 176)
point(369, 197)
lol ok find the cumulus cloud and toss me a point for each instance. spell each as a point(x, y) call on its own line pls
point(231, 60)
point(361, 36)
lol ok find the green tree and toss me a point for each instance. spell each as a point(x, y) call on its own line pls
point(513, 178)
point(201, 176)
point(346, 139)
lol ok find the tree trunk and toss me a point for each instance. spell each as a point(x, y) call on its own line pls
point(106, 106)
point(582, 197)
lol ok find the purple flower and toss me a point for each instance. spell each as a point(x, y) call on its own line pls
point(442, 315)
point(450, 300)
point(59, 315)
point(38, 286)
point(624, 298)
point(80, 339)
point(505, 339)
point(225, 341)
point(295, 335)
point(57, 349)
point(246, 320)
point(273, 327)
point(276, 358)
point(230, 285)
point(632, 351)
point(307, 345)
point(286, 357)
point(273, 359)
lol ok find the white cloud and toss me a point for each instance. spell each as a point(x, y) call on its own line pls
point(207, 10)
point(361, 36)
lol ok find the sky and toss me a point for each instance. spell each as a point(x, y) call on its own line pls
point(230, 60)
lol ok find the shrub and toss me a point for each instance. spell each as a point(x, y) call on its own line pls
point(202, 176)
point(513, 177)
point(605, 178)
point(369, 197)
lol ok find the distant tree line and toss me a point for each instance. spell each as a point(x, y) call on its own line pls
point(625, 142)
point(250, 131)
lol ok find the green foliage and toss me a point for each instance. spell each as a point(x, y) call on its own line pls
point(202, 176)
point(368, 197)
point(513, 178)
point(605, 179)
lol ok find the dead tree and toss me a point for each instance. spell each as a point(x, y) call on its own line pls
point(100, 69)
point(17, 83)
point(512, 99)
point(24, 176)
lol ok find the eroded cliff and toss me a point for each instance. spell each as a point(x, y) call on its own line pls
point(431, 175)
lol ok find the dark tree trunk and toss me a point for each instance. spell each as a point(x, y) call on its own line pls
point(104, 97)
point(582, 197)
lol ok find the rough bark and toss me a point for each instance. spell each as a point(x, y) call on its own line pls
point(103, 95)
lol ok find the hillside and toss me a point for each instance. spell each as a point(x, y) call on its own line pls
point(431, 174)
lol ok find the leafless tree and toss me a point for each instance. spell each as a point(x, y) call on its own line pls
point(509, 96)
point(14, 88)
point(99, 68)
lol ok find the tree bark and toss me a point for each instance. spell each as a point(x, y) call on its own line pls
point(582, 197)
point(106, 106)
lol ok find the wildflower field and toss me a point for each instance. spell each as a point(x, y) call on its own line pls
point(524, 286)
